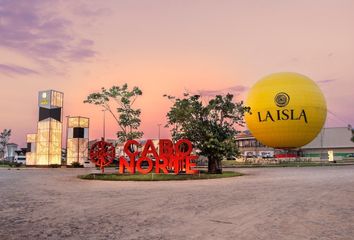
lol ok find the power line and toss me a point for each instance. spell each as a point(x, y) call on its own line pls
point(336, 116)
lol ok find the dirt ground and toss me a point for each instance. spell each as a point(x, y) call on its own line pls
point(272, 203)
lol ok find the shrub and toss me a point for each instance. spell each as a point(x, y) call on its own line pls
point(76, 165)
point(54, 165)
point(14, 164)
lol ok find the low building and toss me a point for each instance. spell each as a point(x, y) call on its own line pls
point(249, 146)
point(331, 141)
point(10, 151)
point(330, 144)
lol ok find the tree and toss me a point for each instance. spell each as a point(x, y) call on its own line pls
point(127, 118)
point(210, 127)
point(4, 139)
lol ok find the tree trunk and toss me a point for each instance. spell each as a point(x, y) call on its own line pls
point(214, 165)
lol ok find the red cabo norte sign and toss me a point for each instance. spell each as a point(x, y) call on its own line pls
point(170, 157)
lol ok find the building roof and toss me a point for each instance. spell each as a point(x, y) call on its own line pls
point(12, 144)
point(244, 135)
point(339, 137)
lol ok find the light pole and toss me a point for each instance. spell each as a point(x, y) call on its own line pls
point(158, 126)
point(66, 139)
point(104, 124)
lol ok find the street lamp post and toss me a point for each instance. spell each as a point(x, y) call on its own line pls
point(104, 124)
point(158, 126)
point(66, 140)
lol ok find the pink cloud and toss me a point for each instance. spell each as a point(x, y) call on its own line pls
point(10, 69)
point(34, 29)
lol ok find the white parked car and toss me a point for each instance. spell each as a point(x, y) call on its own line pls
point(20, 159)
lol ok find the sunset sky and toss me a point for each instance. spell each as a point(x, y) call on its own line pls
point(167, 47)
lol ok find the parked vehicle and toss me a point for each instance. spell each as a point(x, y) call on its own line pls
point(20, 159)
point(266, 155)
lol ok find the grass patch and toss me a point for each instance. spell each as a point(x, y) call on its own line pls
point(234, 164)
point(4, 166)
point(12, 165)
point(157, 177)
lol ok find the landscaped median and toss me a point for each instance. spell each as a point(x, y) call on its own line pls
point(157, 177)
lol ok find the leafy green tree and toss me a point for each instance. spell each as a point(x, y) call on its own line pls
point(4, 139)
point(210, 127)
point(127, 118)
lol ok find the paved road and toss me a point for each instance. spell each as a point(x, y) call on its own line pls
point(274, 203)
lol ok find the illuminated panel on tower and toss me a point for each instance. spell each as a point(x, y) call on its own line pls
point(77, 140)
point(49, 135)
point(31, 140)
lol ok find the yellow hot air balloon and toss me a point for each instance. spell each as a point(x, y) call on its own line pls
point(288, 110)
